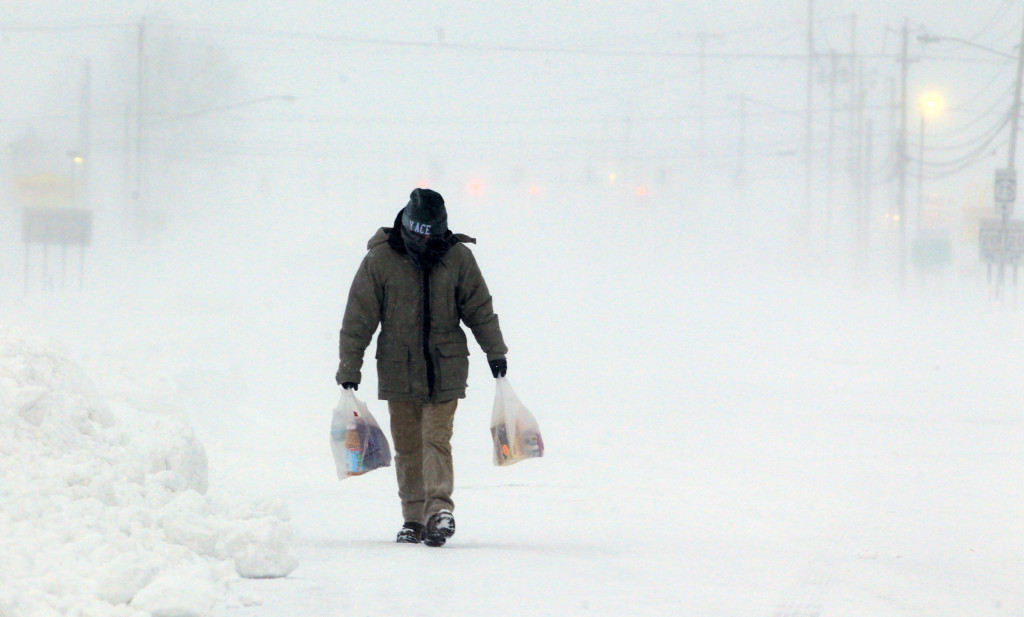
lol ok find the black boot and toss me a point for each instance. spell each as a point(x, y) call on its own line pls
point(410, 533)
point(440, 527)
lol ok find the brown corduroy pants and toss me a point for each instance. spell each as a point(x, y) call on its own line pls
point(422, 434)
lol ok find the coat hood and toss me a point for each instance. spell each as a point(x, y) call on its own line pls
point(381, 237)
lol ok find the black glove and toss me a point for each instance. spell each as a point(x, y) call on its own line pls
point(344, 384)
point(498, 367)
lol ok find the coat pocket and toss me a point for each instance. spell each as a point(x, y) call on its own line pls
point(393, 368)
point(453, 365)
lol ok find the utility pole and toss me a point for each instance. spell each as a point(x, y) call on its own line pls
point(627, 130)
point(864, 216)
point(852, 130)
point(140, 120)
point(809, 139)
point(85, 131)
point(741, 165)
point(892, 103)
point(1011, 159)
point(126, 177)
point(833, 78)
point(1015, 110)
point(702, 40)
point(920, 177)
point(703, 37)
point(856, 117)
point(739, 176)
point(901, 158)
point(861, 171)
point(702, 137)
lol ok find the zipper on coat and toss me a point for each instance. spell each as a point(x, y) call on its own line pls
point(426, 334)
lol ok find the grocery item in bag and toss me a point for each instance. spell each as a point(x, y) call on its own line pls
point(357, 441)
point(514, 430)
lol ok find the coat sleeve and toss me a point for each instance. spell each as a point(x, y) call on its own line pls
point(477, 311)
point(362, 316)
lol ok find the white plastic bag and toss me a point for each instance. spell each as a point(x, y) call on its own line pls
point(357, 441)
point(514, 430)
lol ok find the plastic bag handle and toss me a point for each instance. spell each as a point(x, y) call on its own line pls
point(348, 396)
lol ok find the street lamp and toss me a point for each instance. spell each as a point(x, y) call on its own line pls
point(934, 38)
point(1006, 179)
point(1015, 105)
point(931, 106)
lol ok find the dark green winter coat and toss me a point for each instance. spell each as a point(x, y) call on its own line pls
point(417, 361)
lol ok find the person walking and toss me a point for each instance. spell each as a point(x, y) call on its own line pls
point(418, 282)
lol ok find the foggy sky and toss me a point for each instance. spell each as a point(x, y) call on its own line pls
point(552, 97)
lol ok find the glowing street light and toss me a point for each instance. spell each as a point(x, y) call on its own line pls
point(77, 160)
point(932, 104)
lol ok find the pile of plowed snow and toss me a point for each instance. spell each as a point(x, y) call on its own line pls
point(104, 509)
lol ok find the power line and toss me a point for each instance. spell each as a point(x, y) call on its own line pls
point(986, 135)
point(980, 115)
point(1000, 13)
point(61, 27)
point(970, 157)
point(474, 47)
point(965, 166)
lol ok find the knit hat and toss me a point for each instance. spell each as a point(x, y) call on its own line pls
point(425, 214)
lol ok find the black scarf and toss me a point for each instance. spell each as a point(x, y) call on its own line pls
point(425, 253)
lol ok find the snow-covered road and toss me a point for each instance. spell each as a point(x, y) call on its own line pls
point(718, 443)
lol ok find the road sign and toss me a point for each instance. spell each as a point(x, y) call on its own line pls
point(1005, 191)
point(1001, 242)
point(61, 227)
point(64, 226)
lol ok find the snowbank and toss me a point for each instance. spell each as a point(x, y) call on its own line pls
point(103, 508)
